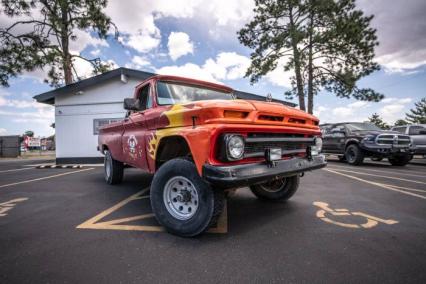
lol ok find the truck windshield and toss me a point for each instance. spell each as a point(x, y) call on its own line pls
point(175, 93)
point(362, 126)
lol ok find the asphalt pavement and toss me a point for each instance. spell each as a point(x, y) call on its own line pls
point(344, 225)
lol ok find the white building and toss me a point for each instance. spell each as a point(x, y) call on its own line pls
point(80, 108)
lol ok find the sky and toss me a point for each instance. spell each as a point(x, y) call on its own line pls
point(195, 38)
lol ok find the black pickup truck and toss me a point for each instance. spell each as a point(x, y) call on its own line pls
point(352, 141)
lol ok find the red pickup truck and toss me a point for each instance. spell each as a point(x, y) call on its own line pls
point(199, 141)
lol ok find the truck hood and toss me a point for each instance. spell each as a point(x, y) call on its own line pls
point(238, 112)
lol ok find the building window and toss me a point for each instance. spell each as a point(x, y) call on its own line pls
point(98, 122)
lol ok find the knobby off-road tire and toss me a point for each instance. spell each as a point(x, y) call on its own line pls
point(276, 190)
point(182, 201)
point(113, 169)
point(399, 160)
point(354, 155)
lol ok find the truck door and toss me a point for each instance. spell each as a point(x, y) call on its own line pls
point(335, 139)
point(135, 128)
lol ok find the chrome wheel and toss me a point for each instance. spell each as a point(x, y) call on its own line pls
point(180, 198)
point(273, 185)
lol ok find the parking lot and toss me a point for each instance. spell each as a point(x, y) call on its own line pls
point(345, 224)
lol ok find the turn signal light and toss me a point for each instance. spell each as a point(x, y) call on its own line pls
point(235, 114)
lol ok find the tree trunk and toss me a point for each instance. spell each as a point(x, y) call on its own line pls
point(297, 67)
point(310, 69)
point(66, 59)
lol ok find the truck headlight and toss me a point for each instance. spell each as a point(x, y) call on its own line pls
point(318, 146)
point(369, 138)
point(234, 147)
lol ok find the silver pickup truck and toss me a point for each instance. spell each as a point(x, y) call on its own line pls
point(417, 133)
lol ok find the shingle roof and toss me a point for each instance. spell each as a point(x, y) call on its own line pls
point(49, 97)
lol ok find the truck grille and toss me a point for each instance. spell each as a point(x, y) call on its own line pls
point(393, 139)
point(290, 144)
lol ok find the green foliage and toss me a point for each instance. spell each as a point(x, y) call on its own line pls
point(400, 122)
point(418, 114)
point(41, 34)
point(29, 133)
point(378, 121)
point(325, 43)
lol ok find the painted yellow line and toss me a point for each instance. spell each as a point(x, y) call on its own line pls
point(389, 177)
point(377, 184)
point(15, 170)
point(379, 171)
point(117, 224)
point(43, 178)
point(91, 222)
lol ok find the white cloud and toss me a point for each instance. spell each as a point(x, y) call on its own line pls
point(188, 70)
point(226, 66)
point(3, 131)
point(394, 109)
point(179, 45)
point(401, 31)
point(278, 76)
point(139, 62)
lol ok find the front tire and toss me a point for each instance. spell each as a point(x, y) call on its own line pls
point(354, 155)
point(399, 161)
point(276, 190)
point(182, 201)
point(113, 169)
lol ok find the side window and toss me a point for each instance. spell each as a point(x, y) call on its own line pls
point(400, 129)
point(415, 130)
point(143, 97)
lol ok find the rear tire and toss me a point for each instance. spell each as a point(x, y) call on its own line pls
point(399, 161)
point(113, 169)
point(354, 155)
point(182, 201)
point(276, 190)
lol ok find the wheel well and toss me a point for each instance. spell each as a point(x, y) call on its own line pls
point(104, 147)
point(352, 142)
point(170, 148)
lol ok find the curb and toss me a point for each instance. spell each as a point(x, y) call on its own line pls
point(59, 167)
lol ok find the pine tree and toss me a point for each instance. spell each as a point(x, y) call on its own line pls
point(326, 44)
point(378, 121)
point(418, 114)
point(400, 122)
point(41, 35)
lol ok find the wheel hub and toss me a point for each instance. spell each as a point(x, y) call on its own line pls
point(180, 198)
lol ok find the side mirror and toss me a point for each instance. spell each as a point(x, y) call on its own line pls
point(130, 104)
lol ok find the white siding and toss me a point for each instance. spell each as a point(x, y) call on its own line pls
point(75, 113)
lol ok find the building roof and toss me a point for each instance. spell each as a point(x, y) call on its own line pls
point(49, 97)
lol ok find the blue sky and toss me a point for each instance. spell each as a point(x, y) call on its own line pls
point(198, 39)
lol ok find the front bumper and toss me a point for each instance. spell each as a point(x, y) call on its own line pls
point(385, 149)
point(247, 174)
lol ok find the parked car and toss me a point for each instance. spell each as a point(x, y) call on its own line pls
point(353, 141)
point(199, 141)
point(417, 132)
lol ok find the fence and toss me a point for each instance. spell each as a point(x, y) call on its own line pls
point(9, 146)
